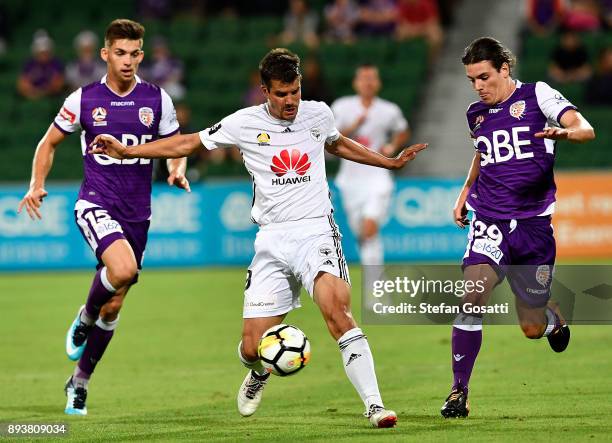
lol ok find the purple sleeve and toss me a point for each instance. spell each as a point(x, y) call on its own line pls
point(563, 111)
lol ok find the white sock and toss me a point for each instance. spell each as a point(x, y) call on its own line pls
point(359, 366)
point(89, 321)
point(255, 366)
point(551, 320)
point(371, 251)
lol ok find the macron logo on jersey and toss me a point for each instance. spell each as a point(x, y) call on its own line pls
point(124, 103)
point(285, 162)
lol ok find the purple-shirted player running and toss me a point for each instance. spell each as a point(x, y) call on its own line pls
point(113, 209)
point(511, 190)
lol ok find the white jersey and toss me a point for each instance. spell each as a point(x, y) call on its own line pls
point(285, 159)
point(384, 119)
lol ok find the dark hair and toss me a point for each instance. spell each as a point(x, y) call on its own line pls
point(279, 64)
point(123, 28)
point(488, 49)
point(366, 65)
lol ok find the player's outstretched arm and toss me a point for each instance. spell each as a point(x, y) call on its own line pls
point(460, 208)
point(576, 129)
point(349, 149)
point(177, 146)
point(41, 165)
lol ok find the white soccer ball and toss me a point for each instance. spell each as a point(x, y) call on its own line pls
point(284, 350)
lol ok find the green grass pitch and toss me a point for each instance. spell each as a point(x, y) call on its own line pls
point(171, 372)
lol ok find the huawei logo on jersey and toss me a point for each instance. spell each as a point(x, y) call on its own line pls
point(285, 162)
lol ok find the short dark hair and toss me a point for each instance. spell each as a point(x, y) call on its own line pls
point(123, 28)
point(366, 65)
point(488, 49)
point(279, 64)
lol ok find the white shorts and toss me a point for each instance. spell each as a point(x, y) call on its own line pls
point(363, 202)
point(290, 255)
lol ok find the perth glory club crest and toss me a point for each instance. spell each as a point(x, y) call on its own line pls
point(146, 117)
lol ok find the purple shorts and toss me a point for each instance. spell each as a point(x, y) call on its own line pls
point(521, 250)
point(100, 229)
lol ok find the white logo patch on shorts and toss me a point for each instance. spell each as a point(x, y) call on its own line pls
point(487, 247)
point(265, 302)
point(106, 227)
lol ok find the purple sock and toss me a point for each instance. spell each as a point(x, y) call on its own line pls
point(99, 294)
point(465, 347)
point(97, 341)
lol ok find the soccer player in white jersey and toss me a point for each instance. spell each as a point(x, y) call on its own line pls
point(298, 243)
point(366, 192)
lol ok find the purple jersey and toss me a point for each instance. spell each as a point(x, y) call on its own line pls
point(40, 74)
point(144, 114)
point(516, 169)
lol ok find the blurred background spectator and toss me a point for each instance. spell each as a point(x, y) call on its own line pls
point(300, 25)
point(254, 95)
point(606, 13)
point(341, 17)
point(377, 18)
point(420, 18)
point(163, 69)
point(599, 88)
point(43, 74)
point(4, 30)
point(88, 66)
point(155, 9)
point(570, 60)
point(582, 15)
point(544, 16)
point(313, 83)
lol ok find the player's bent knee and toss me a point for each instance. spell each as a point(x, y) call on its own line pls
point(533, 331)
point(249, 347)
point(122, 275)
point(369, 229)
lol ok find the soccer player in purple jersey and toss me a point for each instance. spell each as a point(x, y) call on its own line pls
point(510, 188)
point(113, 209)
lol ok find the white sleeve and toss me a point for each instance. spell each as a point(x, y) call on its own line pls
point(224, 134)
point(331, 132)
point(168, 123)
point(68, 119)
point(336, 108)
point(398, 122)
point(552, 104)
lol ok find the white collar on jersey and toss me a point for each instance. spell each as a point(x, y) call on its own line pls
point(103, 82)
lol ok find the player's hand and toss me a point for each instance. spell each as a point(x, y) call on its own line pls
point(460, 215)
point(108, 145)
point(553, 133)
point(407, 155)
point(32, 202)
point(388, 150)
point(460, 209)
point(179, 180)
